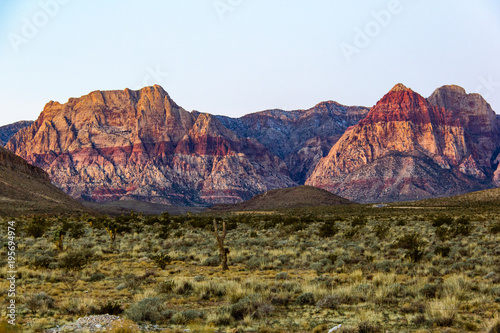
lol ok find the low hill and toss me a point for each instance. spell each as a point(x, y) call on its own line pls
point(489, 197)
point(26, 189)
point(293, 197)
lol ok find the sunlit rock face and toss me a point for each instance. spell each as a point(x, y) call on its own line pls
point(409, 147)
point(140, 145)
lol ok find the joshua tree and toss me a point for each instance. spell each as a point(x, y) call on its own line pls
point(220, 243)
point(112, 228)
point(59, 239)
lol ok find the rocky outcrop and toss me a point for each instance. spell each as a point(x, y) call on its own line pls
point(8, 131)
point(301, 137)
point(140, 145)
point(410, 148)
point(478, 120)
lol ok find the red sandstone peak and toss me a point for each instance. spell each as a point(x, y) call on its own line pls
point(399, 87)
point(403, 133)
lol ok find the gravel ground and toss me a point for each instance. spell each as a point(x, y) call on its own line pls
point(100, 323)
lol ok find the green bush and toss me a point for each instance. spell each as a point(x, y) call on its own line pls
point(75, 260)
point(359, 221)
point(249, 306)
point(414, 246)
point(328, 229)
point(43, 260)
point(328, 302)
point(38, 301)
point(165, 287)
point(148, 309)
point(212, 261)
point(305, 299)
point(381, 230)
point(282, 276)
point(162, 260)
point(369, 327)
point(110, 307)
point(36, 227)
point(443, 250)
point(441, 219)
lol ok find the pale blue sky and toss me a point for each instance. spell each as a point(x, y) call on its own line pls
point(261, 54)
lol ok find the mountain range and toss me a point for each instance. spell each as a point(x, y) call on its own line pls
point(140, 145)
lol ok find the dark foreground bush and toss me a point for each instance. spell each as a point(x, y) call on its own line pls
point(414, 246)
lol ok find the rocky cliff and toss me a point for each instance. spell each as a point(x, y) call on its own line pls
point(409, 147)
point(140, 145)
point(301, 137)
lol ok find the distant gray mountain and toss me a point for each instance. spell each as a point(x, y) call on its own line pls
point(8, 131)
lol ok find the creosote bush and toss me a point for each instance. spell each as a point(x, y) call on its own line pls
point(414, 246)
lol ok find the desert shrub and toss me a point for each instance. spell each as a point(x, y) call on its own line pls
point(222, 319)
point(36, 227)
point(133, 282)
point(381, 230)
point(97, 277)
point(430, 290)
point(305, 299)
point(148, 309)
point(384, 266)
point(461, 226)
point(248, 306)
point(441, 219)
point(443, 232)
point(414, 246)
point(75, 260)
point(328, 229)
point(298, 226)
point(359, 221)
point(184, 288)
point(77, 231)
point(253, 263)
point(165, 287)
point(495, 228)
point(495, 328)
point(43, 260)
point(282, 276)
point(401, 222)
point(369, 327)
point(328, 302)
point(213, 261)
point(212, 290)
point(162, 260)
point(40, 301)
point(353, 231)
point(443, 312)
point(443, 250)
point(110, 307)
point(165, 231)
point(187, 316)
